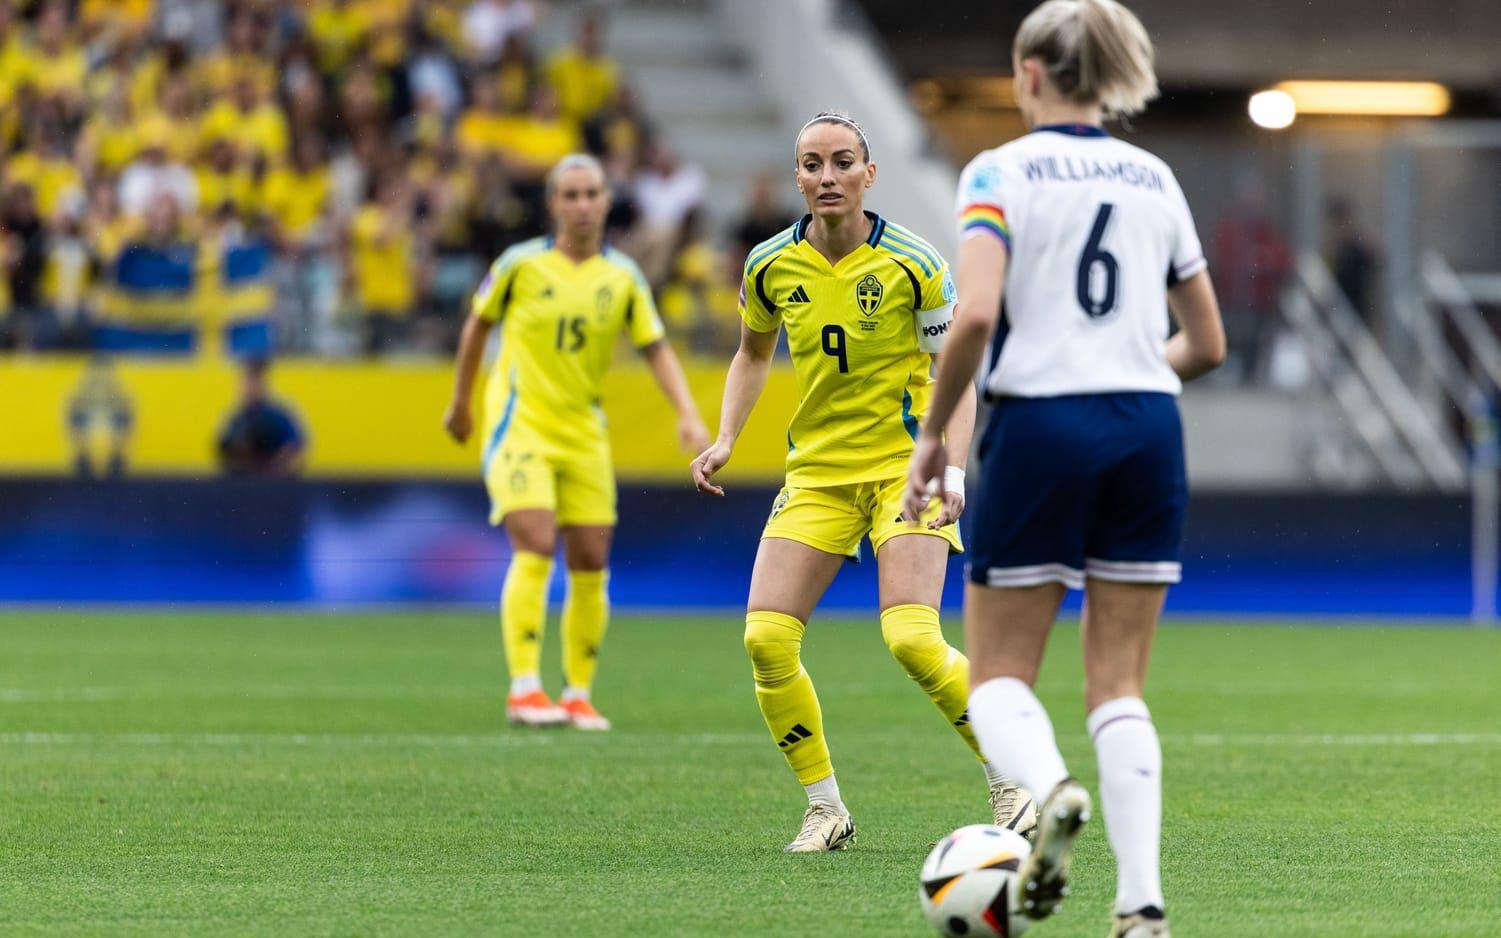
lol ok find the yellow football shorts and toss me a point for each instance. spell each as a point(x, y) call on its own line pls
point(834, 518)
point(577, 485)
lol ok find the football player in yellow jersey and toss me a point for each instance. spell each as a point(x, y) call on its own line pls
point(562, 303)
point(865, 304)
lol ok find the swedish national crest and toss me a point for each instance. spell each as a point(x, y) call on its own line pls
point(868, 293)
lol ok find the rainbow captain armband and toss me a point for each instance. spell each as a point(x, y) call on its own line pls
point(982, 218)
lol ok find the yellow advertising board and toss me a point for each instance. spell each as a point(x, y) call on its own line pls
point(367, 419)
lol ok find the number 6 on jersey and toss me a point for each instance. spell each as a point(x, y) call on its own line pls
point(1095, 255)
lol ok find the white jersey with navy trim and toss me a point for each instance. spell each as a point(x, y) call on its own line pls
point(1096, 230)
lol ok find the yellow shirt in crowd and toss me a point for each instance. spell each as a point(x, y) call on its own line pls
point(262, 131)
point(541, 142)
point(217, 73)
point(178, 137)
point(15, 67)
point(382, 263)
point(296, 199)
point(522, 137)
point(584, 85)
point(134, 14)
point(50, 178)
point(62, 74)
point(336, 28)
point(216, 188)
point(115, 145)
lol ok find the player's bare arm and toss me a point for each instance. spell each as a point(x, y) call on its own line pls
point(980, 278)
point(1199, 346)
point(459, 418)
point(742, 388)
point(957, 436)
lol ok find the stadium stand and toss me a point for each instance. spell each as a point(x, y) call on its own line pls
point(329, 177)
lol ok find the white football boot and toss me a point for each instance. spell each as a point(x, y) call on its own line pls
point(824, 829)
point(1044, 874)
point(1146, 922)
point(1014, 808)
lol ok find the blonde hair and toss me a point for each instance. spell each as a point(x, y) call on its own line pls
point(575, 161)
point(1094, 51)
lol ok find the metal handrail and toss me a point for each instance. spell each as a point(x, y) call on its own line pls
point(1454, 301)
point(1334, 370)
point(1446, 292)
point(1427, 441)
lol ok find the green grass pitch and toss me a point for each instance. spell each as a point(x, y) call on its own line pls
point(216, 773)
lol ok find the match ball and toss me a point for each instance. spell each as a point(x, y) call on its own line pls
point(969, 883)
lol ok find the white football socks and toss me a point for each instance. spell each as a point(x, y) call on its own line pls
point(994, 776)
point(825, 791)
point(1016, 735)
point(524, 684)
point(574, 693)
point(1130, 757)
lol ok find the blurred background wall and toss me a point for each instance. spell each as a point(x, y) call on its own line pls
point(239, 240)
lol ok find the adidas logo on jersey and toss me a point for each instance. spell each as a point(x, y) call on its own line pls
point(798, 295)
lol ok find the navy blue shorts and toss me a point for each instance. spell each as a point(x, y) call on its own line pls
point(1083, 484)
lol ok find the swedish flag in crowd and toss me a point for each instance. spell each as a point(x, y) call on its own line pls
point(247, 295)
point(162, 297)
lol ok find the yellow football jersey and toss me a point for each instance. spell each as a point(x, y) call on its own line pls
point(297, 200)
point(584, 85)
point(861, 333)
point(382, 254)
point(559, 323)
point(263, 130)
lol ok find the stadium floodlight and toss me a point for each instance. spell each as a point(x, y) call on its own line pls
point(1274, 110)
point(1368, 98)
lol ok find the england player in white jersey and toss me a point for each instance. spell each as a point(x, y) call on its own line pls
point(1091, 243)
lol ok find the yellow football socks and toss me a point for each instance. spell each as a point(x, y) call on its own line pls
point(523, 612)
point(785, 693)
point(916, 641)
point(586, 612)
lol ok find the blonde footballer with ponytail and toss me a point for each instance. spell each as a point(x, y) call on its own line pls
point(1094, 52)
point(1087, 243)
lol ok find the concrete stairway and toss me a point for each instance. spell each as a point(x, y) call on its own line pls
point(703, 96)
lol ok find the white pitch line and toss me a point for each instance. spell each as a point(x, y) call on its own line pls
point(518, 738)
point(24, 695)
point(460, 740)
point(457, 740)
point(1339, 739)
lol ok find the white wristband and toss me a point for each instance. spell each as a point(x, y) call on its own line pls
point(953, 480)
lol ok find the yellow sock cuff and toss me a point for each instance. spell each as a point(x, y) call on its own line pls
point(530, 565)
point(909, 618)
point(581, 580)
point(909, 609)
point(776, 622)
point(774, 641)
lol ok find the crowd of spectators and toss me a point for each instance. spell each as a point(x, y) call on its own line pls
point(325, 176)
